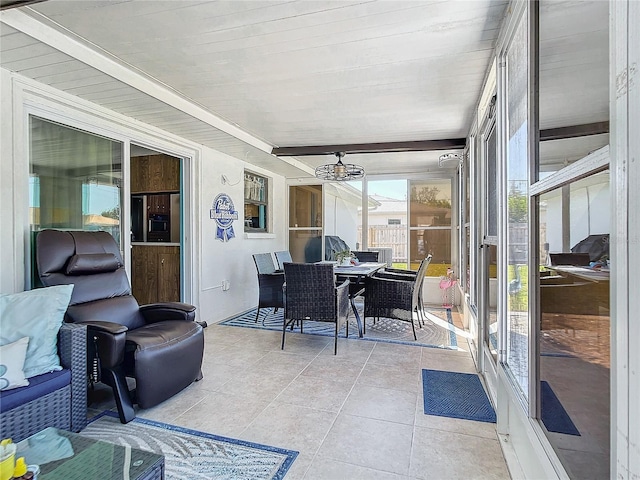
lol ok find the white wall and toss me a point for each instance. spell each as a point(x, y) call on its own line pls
point(232, 261)
point(10, 281)
point(590, 214)
point(212, 260)
point(341, 214)
point(554, 224)
point(382, 218)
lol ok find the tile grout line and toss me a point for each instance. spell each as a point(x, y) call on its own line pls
point(315, 455)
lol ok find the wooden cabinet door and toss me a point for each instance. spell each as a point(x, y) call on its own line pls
point(158, 204)
point(169, 168)
point(144, 274)
point(155, 173)
point(139, 173)
point(155, 274)
point(168, 277)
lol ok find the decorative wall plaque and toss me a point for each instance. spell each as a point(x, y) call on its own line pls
point(224, 213)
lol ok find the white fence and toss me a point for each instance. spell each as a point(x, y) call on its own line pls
point(388, 236)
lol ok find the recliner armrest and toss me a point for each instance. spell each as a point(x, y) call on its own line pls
point(110, 339)
point(102, 326)
point(157, 312)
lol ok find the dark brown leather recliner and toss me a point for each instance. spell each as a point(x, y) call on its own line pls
point(159, 345)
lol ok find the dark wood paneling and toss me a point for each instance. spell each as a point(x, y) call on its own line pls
point(169, 275)
point(7, 4)
point(155, 275)
point(139, 169)
point(155, 173)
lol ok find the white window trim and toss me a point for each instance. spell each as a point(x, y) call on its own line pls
point(33, 98)
point(269, 204)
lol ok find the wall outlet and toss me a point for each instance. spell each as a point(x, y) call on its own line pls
point(225, 285)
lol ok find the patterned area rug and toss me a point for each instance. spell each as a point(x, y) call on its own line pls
point(384, 330)
point(192, 454)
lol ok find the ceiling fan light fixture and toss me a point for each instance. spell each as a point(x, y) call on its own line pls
point(339, 172)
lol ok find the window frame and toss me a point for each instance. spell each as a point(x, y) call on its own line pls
point(264, 201)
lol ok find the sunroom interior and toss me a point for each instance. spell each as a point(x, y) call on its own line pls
point(482, 126)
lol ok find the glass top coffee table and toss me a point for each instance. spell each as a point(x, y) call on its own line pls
point(63, 455)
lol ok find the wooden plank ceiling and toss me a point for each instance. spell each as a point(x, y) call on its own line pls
point(296, 73)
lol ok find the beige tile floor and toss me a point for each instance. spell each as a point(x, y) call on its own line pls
point(357, 415)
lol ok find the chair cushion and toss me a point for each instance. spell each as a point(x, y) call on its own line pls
point(55, 250)
point(39, 386)
point(12, 358)
point(161, 334)
point(36, 314)
point(121, 309)
point(88, 263)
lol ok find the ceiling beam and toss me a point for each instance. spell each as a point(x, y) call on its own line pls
point(6, 4)
point(574, 131)
point(385, 147)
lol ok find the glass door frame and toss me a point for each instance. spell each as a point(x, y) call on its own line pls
point(487, 365)
point(472, 164)
point(186, 194)
point(67, 116)
point(320, 229)
point(125, 193)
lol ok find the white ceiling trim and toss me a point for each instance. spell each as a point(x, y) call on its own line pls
point(294, 162)
point(65, 44)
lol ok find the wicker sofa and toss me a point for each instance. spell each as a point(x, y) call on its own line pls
point(56, 399)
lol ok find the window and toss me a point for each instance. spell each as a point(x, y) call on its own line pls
point(74, 181)
point(413, 219)
point(388, 201)
point(305, 223)
point(430, 223)
point(517, 208)
point(575, 323)
point(256, 203)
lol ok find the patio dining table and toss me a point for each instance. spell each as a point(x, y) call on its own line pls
point(356, 275)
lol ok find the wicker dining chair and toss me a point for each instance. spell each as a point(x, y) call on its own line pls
point(410, 275)
point(395, 296)
point(311, 294)
point(281, 257)
point(270, 283)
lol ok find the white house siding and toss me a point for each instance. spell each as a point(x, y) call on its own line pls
point(341, 216)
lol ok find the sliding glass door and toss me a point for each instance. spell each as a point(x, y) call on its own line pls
point(305, 223)
point(75, 181)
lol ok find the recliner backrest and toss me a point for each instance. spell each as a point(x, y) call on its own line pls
point(91, 261)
